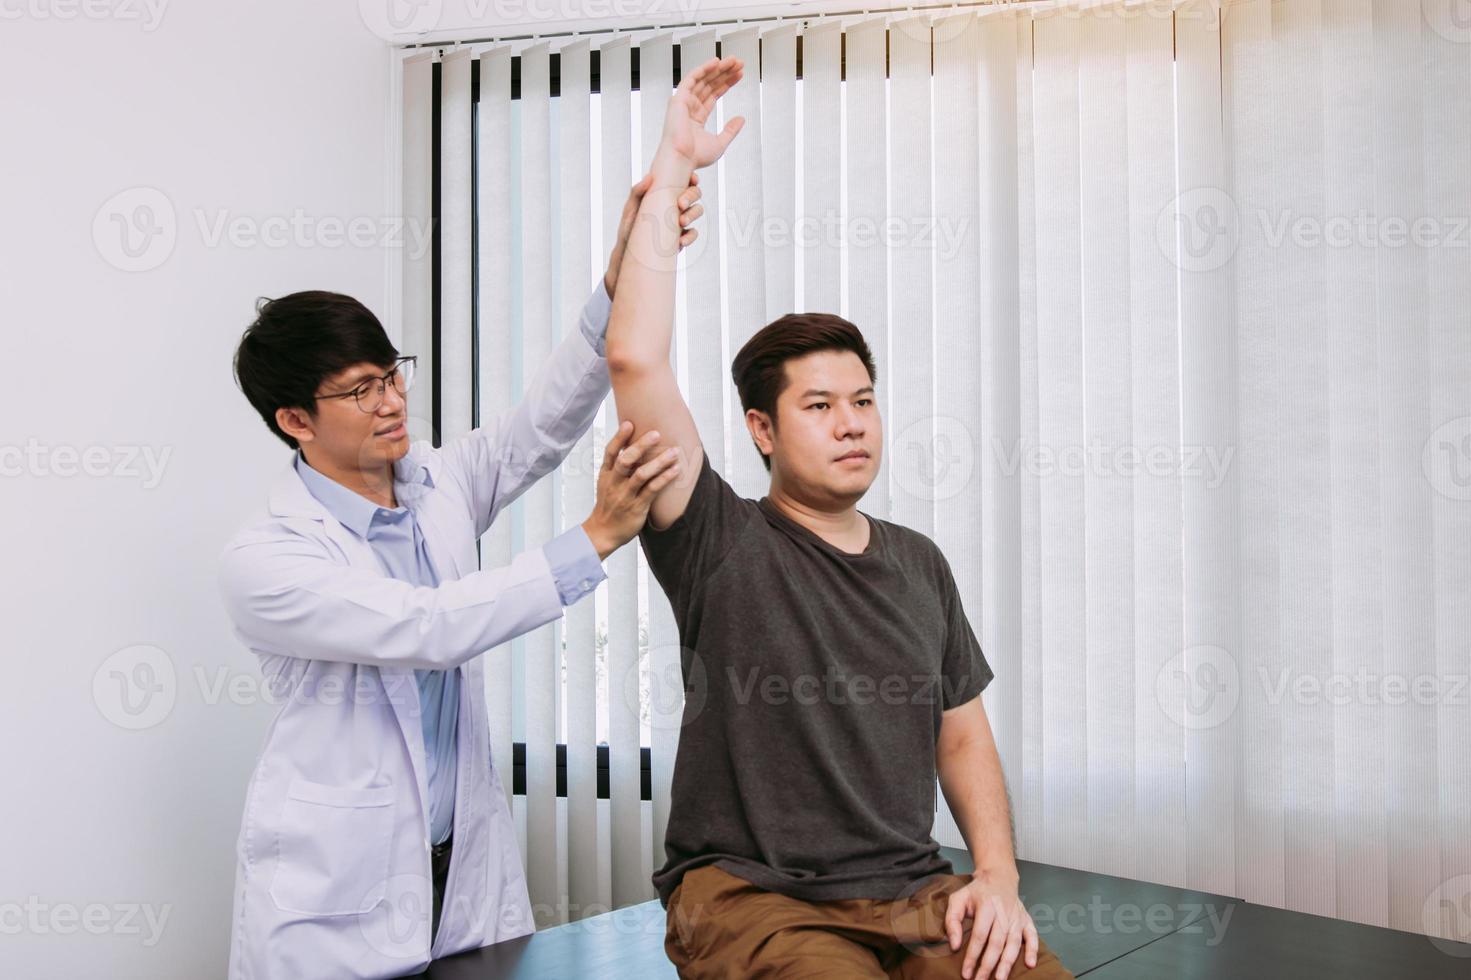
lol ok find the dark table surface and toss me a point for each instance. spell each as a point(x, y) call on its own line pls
point(1106, 927)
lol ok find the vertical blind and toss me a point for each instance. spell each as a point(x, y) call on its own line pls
point(1185, 462)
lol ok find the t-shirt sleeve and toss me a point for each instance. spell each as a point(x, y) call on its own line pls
point(688, 551)
point(964, 669)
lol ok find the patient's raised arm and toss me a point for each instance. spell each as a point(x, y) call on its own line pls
point(641, 324)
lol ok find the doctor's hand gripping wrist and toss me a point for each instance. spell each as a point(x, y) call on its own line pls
point(632, 474)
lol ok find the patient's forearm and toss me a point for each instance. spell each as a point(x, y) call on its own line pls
point(974, 787)
point(642, 319)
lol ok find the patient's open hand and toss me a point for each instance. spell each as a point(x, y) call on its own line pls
point(999, 925)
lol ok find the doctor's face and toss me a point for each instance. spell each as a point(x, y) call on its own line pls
point(362, 431)
point(828, 440)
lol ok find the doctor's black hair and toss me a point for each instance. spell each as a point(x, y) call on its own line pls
point(297, 342)
point(759, 370)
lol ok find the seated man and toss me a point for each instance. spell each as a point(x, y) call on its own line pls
point(839, 671)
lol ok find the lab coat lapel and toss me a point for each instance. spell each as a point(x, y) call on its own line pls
point(289, 497)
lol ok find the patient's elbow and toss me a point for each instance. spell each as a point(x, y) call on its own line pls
point(627, 364)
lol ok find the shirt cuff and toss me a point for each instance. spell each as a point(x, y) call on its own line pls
point(574, 563)
point(594, 321)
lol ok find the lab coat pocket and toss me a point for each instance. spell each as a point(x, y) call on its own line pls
point(333, 848)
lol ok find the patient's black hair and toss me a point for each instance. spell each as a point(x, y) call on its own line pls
point(300, 340)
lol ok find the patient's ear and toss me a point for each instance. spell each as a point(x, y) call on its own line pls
point(762, 431)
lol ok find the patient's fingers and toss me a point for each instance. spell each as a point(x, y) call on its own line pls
point(699, 79)
point(713, 79)
point(954, 917)
point(726, 78)
point(980, 931)
point(690, 214)
point(688, 237)
point(1008, 955)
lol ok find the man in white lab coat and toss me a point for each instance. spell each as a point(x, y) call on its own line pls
point(376, 834)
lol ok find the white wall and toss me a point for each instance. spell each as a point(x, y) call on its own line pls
point(252, 110)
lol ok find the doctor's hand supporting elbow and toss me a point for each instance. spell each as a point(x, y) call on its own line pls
point(632, 474)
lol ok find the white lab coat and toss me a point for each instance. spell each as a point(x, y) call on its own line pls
point(332, 861)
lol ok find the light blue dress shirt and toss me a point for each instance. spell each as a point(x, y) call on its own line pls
point(395, 538)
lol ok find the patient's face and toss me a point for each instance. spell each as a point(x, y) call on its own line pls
point(829, 437)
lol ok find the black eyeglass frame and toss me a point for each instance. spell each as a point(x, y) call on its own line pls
point(360, 390)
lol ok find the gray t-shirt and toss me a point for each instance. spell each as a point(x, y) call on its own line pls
point(814, 685)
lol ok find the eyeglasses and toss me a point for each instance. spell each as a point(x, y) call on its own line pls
point(369, 392)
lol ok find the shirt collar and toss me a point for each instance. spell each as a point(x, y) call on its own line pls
point(351, 509)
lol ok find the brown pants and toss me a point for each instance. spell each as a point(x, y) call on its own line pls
point(721, 926)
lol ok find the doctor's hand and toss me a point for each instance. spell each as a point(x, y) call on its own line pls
point(632, 475)
point(689, 210)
